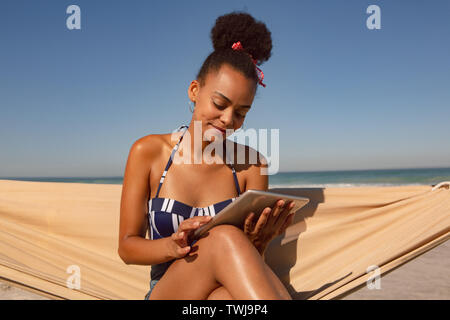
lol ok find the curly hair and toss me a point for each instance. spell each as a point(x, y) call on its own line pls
point(230, 28)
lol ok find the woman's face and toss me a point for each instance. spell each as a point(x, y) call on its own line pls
point(223, 102)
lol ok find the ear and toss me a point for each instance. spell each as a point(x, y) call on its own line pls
point(193, 90)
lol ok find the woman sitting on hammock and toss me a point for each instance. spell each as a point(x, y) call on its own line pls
point(228, 262)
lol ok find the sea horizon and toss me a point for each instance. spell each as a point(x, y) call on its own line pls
point(296, 179)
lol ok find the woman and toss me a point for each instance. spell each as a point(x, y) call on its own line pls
point(228, 262)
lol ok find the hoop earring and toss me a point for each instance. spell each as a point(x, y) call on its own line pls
point(190, 106)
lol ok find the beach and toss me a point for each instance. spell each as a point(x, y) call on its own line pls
point(11, 292)
point(425, 278)
point(42, 224)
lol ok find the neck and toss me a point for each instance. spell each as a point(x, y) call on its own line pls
point(194, 142)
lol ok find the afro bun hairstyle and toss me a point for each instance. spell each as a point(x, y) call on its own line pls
point(254, 37)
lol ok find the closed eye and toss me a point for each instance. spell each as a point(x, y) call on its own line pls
point(223, 107)
point(220, 107)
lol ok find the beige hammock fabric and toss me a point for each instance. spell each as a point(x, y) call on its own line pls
point(48, 228)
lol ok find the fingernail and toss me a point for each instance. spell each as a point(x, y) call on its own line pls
point(280, 204)
point(196, 224)
point(181, 234)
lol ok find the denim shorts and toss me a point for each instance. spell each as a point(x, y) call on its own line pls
point(152, 285)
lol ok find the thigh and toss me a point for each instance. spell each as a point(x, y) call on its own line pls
point(221, 293)
point(190, 277)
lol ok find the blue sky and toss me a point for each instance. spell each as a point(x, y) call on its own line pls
point(343, 96)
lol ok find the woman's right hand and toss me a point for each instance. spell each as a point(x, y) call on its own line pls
point(178, 246)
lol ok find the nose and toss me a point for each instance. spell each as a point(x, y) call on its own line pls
point(227, 117)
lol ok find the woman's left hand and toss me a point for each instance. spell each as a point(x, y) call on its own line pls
point(271, 223)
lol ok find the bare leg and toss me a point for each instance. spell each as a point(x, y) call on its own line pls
point(282, 291)
point(221, 293)
point(223, 258)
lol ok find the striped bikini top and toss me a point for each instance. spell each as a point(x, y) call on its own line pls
point(166, 214)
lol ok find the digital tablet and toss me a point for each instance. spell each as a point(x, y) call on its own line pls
point(250, 201)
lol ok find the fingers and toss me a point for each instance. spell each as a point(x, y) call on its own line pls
point(276, 209)
point(183, 251)
point(180, 238)
point(248, 224)
point(193, 223)
point(263, 218)
point(280, 212)
point(185, 229)
point(287, 223)
point(272, 221)
point(283, 215)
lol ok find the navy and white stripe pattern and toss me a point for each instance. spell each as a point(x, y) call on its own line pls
point(165, 214)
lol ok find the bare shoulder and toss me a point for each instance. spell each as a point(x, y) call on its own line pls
point(246, 157)
point(253, 165)
point(151, 146)
point(147, 151)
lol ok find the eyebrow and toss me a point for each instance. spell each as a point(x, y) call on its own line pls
point(226, 98)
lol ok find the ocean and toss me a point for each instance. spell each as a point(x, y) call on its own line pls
point(319, 179)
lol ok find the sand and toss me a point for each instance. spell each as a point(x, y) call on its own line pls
point(10, 292)
point(427, 277)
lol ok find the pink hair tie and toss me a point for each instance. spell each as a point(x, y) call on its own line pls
point(238, 46)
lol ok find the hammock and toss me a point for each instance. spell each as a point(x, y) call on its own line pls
point(52, 232)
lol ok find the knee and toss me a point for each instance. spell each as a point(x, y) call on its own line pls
point(228, 235)
point(228, 242)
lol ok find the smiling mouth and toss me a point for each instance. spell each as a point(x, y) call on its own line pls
point(220, 129)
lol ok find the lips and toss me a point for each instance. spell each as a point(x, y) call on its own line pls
point(220, 129)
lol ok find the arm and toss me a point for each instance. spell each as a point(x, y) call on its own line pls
point(256, 181)
point(133, 247)
point(272, 221)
